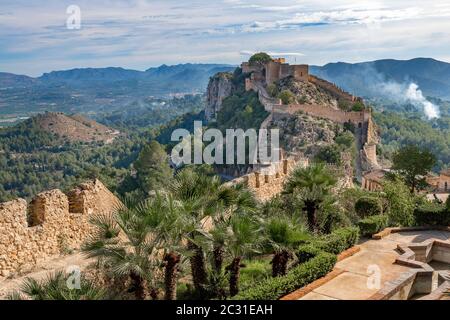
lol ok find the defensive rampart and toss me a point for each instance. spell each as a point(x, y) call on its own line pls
point(52, 224)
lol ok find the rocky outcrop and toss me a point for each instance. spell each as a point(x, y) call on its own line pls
point(220, 86)
point(305, 134)
point(52, 224)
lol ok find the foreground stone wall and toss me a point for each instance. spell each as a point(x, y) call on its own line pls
point(52, 224)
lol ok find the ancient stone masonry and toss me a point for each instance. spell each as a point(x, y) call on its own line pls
point(268, 182)
point(321, 111)
point(275, 70)
point(334, 90)
point(53, 223)
point(365, 127)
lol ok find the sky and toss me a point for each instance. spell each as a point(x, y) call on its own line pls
point(139, 34)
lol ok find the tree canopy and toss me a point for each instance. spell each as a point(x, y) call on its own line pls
point(413, 164)
point(260, 58)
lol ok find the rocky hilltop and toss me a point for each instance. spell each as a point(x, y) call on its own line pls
point(310, 112)
point(75, 128)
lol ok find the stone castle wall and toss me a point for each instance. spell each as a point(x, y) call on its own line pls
point(334, 90)
point(275, 70)
point(321, 111)
point(50, 225)
point(268, 182)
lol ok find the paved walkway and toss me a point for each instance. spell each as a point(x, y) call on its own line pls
point(352, 284)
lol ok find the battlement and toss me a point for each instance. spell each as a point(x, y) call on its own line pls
point(275, 70)
point(268, 182)
point(51, 224)
point(334, 90)
point(358, 118)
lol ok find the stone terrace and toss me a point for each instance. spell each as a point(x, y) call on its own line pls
point(351, 281)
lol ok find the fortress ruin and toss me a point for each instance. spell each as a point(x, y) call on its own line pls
point(52, 224)
point(276, 70)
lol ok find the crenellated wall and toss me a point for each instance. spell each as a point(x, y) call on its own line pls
point(367, 134)
point(50, 225)
point(334, 90)
point(268, 182)
point(340, 116)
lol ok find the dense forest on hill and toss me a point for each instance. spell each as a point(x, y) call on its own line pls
point(402, 125)
point(401, 129)
point(33, 160)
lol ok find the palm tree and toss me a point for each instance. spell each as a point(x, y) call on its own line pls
point(311, 185)
point(204, 200)
point(131, 241)
point(283, 234)
point(243, 239)
point(166, 220)
point(231, 200)
point(123, 244)
point(55, 287)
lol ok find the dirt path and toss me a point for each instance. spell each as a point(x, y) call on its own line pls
point(44, 269)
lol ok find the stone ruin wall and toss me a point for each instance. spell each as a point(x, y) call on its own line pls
point(370, 141)
point(50, 225)
point(321, 111)
point(266, 184)
point(334, 90)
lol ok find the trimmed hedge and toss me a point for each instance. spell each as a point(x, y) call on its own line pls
point(368, 206)
point(432, 214)
point(300, 276)
point(373, 224)
point(336, 242)
point(307, 252)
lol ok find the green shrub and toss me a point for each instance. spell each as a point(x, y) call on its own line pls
point(329, 154)
point(307, 252)
point(349, 126)
point(373, 224)
point(335, 243)
point(272, 90)
point(339, 240)
point(255, 271)
point(300, 276)
point(286, 96)
point(345, 139)
point(400, 203)
point(368, 206)
point(447, 204)
point(358, 106)
point(432, 214)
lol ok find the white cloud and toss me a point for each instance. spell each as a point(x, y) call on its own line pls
point(141, 33)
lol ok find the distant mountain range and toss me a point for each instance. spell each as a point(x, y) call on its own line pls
point(367, 78)
point(196, 74)
point(93, 89)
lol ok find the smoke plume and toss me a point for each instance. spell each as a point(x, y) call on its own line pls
point(409, 93)
point(367, 81)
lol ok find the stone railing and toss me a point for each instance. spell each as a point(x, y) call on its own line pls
point(53, 223)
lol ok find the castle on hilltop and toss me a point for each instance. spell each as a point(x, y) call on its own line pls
point(259, 75)
point(275, 70)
